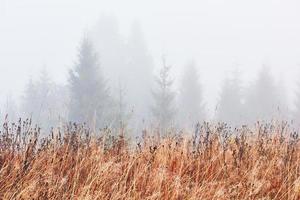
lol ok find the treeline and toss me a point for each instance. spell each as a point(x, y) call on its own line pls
point(113, 84)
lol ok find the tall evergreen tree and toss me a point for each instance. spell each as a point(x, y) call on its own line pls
point(192, 109)
point(108, 41)
point(29, 104)
point(264, 100)
point(164, 96)
point(35, 101)
point(11, 108)
point(89, 96)
point(43, 87)
point(230, 107)
point(140, 66)
point(122, 114)
point(44, 101)
point(283, 110)
point(126, 59)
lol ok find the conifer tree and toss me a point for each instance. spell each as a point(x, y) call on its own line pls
point(89, 98)
point(264, 100)
point(192, 109)
point(164, 96)
point(230, 107)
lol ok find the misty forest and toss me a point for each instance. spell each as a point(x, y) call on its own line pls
point(113, 83)
point(149, 100)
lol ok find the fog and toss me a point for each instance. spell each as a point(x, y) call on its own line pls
point(219, 36)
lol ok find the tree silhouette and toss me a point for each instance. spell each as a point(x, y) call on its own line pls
point(192, 109)
point(230, 107)
point(264, 100)
point(89, 96)
point(139, 69)
point(163, 110)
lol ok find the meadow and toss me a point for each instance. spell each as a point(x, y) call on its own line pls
point(214, 161)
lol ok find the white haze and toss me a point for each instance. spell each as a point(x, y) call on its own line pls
point(220, 35)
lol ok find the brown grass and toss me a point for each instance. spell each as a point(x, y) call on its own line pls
point(216, 163)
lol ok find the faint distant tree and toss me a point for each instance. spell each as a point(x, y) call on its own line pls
point(108, 41)
point(140, 66)
point(230, 107)
point(52, 101)
point(11, 108)
point(283, 111)
point(164, 109)
point(89, 98)
point(29, 105)
point(192, 109)
point(43, 89)
point(126, 59)
point(264, 101)
point(44, 101)
point(122, 115)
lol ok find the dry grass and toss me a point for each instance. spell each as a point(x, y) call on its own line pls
point(216, 163)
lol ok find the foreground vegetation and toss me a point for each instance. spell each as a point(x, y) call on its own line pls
point(216, 162)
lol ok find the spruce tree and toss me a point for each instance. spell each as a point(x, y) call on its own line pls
point(163, 109)
point(230, 107)
point(264, 100)
point(140, 66)
point(29, 100)
point(89, 98)
point(192, 109)
point(11, 108)
point(44, 101)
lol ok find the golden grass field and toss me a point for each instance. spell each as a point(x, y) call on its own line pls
point(212, 162)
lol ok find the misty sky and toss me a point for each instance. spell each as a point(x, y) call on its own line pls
point(218, 34)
